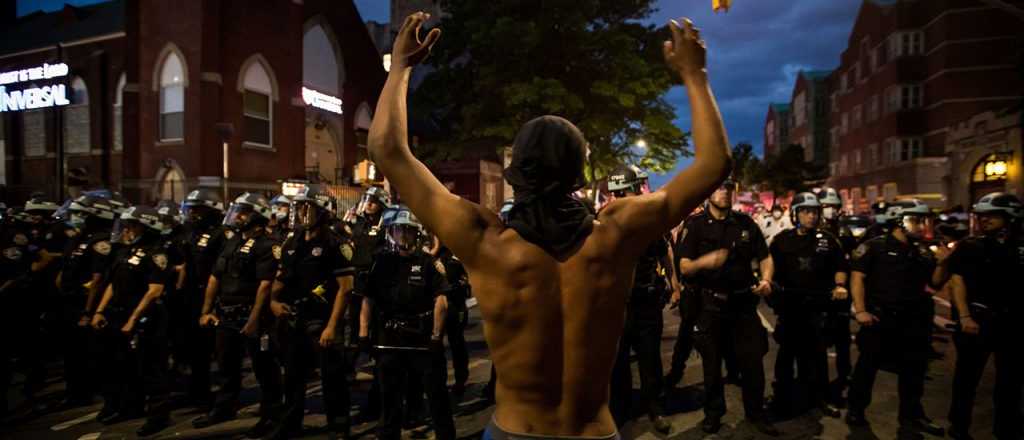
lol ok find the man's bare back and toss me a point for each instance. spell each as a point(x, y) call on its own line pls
point(552, 322)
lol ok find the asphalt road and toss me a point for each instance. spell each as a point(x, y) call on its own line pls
point(684, 403)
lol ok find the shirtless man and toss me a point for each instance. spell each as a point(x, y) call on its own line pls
point(552, 282)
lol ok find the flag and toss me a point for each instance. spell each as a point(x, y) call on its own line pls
point(717, 5)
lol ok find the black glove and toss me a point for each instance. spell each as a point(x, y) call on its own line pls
point(364, 344)
point(436, 345)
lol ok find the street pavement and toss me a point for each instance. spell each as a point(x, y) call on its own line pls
point(472, 413)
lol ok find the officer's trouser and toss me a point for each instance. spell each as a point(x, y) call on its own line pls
point(199, 351)
point(395, 368)
point(837, 330)
point(802, 341)
point(742, 329)
point(642, 334)
point(77, 343)
point(132, 374)
point(972, 353)
point(900, 337)
point(689, 309)
point(303, 353)
point(455, 328)
point(230, 346)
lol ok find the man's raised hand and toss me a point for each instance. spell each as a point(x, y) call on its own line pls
point(685, 52)
point(409, 49)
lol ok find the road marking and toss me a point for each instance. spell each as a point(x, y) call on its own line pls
point(90, 436)
point(74, 422)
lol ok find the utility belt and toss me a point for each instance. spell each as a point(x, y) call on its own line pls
point(650, 293)
point(407, 330)
point(902, 312)
point(720, 301)
point(796, 300)
point(235, 315)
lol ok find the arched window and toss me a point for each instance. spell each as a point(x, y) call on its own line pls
point(257, 103)
point(172, 186)
point(118, 137)
point(76, 119)
point(172, 98)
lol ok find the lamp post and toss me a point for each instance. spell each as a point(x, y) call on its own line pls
point(225, 130)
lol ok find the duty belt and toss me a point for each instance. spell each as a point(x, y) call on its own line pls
point(724, 300)
point(236, 313)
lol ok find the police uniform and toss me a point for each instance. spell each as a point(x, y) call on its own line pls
point(202, 254)
point(176, 245)
point(17, 258)
point(367, 240)
point(642, 334)
point(805, 268)
point(837, 320)
point(728, 308)
point(895, 277)
point(458, 292)
point(85, 256)
point(135, 365)
point(989, 268)
point(242, 265)
point(309, 271)
point(404, 290)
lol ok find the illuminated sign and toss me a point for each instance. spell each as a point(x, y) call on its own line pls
point(321, 101)
point(35, 97)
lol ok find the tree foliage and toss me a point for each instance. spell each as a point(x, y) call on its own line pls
point(500, 63)
point(787, 171)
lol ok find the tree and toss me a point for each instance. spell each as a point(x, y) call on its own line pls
point(501, 63)
point(787, 171)
point(748, 169)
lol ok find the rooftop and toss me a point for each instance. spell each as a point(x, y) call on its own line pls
point(44, 29)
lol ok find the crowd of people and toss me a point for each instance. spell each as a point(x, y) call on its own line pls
point(127, 289)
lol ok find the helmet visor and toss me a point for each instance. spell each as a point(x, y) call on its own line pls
point(126, 231)
point(239, 216)
point(304, 214)
point(403, 237)
point(918, 226)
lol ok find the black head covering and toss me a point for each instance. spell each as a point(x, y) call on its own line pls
point(546, 168)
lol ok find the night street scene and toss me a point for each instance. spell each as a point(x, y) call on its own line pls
point(511, 219)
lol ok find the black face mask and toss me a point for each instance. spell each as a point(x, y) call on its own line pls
point(546, 168)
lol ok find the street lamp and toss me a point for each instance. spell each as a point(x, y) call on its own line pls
point(995, 168)
point(641, 144)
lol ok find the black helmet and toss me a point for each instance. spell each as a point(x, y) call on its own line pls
point(170, 211)
point(626, 177)
point(246, 211)
point(804, 200)
point(404, 230)
point(146, 216)
point(311, 207)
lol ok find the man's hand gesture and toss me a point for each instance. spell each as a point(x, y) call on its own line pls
point(686, 52)
point(409, 50)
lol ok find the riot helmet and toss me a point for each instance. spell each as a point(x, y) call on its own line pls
point(247, 211)
point(137, 223)
point(38, 209)
point(374, 200)
point(912, 215)
point(403, 229)
point(202, 207)
point(805, 202)
point(280, 206)
point(311, 207)
point(831, 203)
point(998, 205)
point(627, 178)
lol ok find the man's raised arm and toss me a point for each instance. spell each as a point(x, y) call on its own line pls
point(653, 214)
point(457, 222)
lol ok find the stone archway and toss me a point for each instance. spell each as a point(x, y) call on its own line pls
point(169, 183)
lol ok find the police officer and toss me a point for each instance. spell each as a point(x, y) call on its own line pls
point(457, 318)
point(888, 281)
point(837, 318)
point(203, 211)
point(85, 261)
point(134, 320)
point(241, 280)
point(280, 207)
point(983, 271)
point(405, 292)
point(310, 296)
point(715, 255)
point(810, 268)
point(643, 325)
point(176, 245)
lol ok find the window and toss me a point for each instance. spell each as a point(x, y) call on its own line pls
point(835, 103)
point(906, 43)
point(842, 165)
point(769, 132)
point(872, 193)
point(76, 119)
point(118, 136)
point(910, 149)
point(800, 109)
point(894, 151)
point(892, 99)
point(33, 126)
point(844, 82)
point(172, 99)
point(916, 45)
point(858, 116)
point(910, 97)
point(855, 199)
point(890, 191)
point(872, 108)
point(257, 106)
point(873, 156)
point(857, 164)
point(833, 168)
point(844, 128)
point(835, 137)
point(808, 144)
point(873, 57)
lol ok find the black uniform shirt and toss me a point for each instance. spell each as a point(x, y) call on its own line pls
point(368, 240)
point(807, 261)
point(738, 233)
point(457, 278)
point(990, 269)
point(242, 265)
point(649, 282)
point(18, 253)
point(85, 255)
point(405, 286)
point(311, 267)
point(203, 253)
point(136, 267)
point(896, 273)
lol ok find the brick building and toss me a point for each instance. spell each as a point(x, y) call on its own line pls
point(776, 129)
point(157, 88)
point(912, 72)
point(809, 116)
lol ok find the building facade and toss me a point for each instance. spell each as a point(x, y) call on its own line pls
point(809, 116)
point(165, 96)
point(776, 129)
point(912, 72)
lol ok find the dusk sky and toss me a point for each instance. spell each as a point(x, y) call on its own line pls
point(755, 51)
